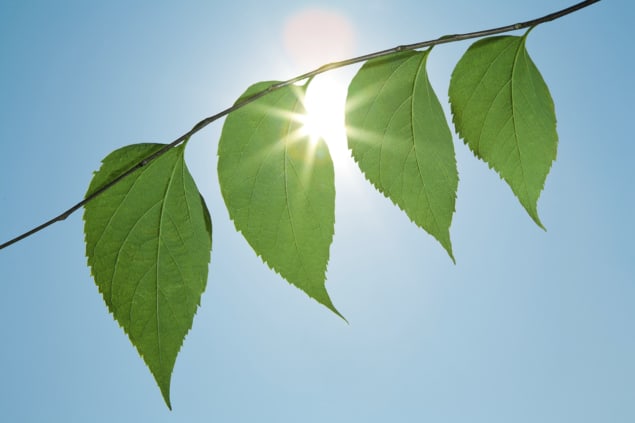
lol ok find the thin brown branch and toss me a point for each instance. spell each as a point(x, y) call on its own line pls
point(325, 68)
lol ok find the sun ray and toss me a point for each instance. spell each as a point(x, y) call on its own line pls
point(325, 102)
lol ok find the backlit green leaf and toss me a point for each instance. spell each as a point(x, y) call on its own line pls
point(279, 188)
point(148, 242)
point(400, 139)
point(503, 110)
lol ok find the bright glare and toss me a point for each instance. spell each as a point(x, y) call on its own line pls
point(324, 102)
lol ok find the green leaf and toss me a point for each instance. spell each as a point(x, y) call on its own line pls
point(503, 110)
point(148, 243)
point(279, 187)
point(400, 139)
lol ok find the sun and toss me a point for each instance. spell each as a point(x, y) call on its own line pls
point(324, 102)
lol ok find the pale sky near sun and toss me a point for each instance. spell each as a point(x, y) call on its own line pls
point(528, 326)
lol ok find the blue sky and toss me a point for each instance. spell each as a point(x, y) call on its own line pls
point(528, 325)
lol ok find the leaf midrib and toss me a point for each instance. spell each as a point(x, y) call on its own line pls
point(162, 212)
point(421, 68)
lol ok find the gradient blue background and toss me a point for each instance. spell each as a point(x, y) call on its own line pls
point(528, 326)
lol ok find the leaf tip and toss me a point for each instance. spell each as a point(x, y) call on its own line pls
point(165, 392)
point(540, 225)
point(533, 213)
point(324, 299)
point(446, 243)
point(334, 310)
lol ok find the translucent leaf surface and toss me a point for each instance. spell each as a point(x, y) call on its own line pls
point(279, 187)
point(503, 110)
point(148, 242)
point(400, 139)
